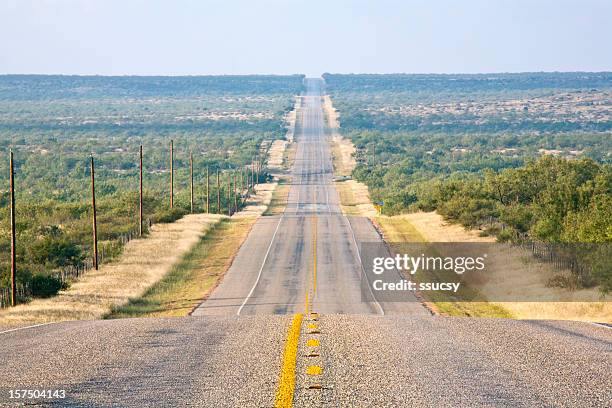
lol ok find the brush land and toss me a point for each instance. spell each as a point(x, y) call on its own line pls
point(519, 157)
point(53, 123)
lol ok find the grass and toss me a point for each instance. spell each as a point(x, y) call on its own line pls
point(142, 263)
point(342, 159)
point(279, 198)
point(355, 201)
point(347, 198)
point(398, 229)
point(472, 309)
point(600, 312)
point(194, 277)
point(422, 227)
point(276, 154)
point(289, 155)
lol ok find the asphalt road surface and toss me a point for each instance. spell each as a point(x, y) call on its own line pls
point(308, 257)
point(369, 353)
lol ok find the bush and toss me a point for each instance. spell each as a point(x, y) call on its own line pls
point(56, 252)
point(169, 215)
point(45, 286)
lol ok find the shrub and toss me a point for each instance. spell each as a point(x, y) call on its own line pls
point(45, 286)
point(56, 252)
point(170, 215)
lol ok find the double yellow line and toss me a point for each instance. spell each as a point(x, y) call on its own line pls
point(286, 385)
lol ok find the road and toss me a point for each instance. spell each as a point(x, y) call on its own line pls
point(308, 257)
point(370, 353)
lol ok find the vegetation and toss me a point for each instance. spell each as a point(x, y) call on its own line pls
point(194, 277)
point(520, 156)
point(53, 124)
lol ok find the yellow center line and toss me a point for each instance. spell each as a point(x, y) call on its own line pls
point(286, 383)
point(314, 255)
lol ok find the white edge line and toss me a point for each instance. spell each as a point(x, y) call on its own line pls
point(27, 327)
point(604, 325)
point(382, 311)
point(246, 299)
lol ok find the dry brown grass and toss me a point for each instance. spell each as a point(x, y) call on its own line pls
point(291, 118)
point(276, 154)
point(331, 114)
point(509, 270)
point(355, 199)
point(142, 263)
point(194, 277)
point(354, 196)
point(279, 197)
point(342, 149)
point(258, 203)
point(289, 157)
point(398, 229)
point(434, 228)
point(342, 156)
point(600, 312)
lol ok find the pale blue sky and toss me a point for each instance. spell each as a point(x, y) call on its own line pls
point(189, 37)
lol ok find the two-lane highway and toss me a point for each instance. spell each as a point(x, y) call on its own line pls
point(358, 351)
point(307, 258)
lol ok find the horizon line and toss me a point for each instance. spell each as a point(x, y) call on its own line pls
point(307, 75)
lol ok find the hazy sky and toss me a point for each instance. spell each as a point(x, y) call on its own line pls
point(189, 37)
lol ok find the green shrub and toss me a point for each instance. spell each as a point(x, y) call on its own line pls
point(45, 286)
point(169, 215)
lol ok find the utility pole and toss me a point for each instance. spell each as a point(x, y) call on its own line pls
point(191, 177)
point(253, 173)
point(13, 235)
point(256, 171)
point(94, 221)
point(171, 173)
point(241, 182)
point(207, 190)
point(218, 193)
point(229, 194)
point(236, 192)
point(248, 179)
point(140, 200)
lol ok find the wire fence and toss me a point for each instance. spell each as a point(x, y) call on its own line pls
point(561, 256)
point(107, 251)
point(22, 291)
